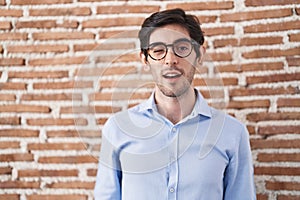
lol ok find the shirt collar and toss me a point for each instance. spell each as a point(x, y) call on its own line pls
point(201, 107)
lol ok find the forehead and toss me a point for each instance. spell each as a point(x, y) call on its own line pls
point(168, 34)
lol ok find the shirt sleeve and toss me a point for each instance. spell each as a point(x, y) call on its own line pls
point(109, 176)
point(239, 176)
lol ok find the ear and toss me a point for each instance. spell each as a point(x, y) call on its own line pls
point(144, 61)
point(202, 50)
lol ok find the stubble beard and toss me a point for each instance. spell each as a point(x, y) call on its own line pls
point(181, 90)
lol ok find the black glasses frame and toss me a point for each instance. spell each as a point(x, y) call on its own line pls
point(193, 43)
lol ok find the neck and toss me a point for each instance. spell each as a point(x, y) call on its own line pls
point(175, 108)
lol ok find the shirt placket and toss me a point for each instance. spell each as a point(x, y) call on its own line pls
point(173, 164)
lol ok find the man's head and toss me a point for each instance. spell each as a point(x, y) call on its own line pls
point(171, 48)
point(167, 17)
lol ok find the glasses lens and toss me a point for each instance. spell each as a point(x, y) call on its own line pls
point(182, 48)
point(157, 51)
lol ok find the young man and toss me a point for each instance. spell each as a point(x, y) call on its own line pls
point(174, 146)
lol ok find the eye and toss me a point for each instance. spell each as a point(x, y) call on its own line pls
point(158, 49)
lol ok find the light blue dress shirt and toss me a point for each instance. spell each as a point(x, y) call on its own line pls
point(144, 156)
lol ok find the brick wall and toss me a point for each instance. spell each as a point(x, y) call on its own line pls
point(67, 65)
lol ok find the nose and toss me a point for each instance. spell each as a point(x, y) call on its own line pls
point(171, 59)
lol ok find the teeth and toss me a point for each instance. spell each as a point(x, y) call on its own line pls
point(171, 75)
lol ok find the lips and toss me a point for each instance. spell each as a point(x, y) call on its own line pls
point(171, 74)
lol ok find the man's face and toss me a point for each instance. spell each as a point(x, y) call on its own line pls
point(173, 75)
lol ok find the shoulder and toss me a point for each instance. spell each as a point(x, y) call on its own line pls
point(232, 130)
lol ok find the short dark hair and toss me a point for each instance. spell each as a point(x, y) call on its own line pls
point(166, 17)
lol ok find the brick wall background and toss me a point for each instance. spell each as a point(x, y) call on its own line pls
point(57, 90)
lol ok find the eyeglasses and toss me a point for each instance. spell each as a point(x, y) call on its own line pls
point(181, 48)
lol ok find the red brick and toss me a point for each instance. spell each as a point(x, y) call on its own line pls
point(71, 185)
point(74, 133)
point(57, 122)
point(34, 74)
point(7, 97)
point(271, 185)
point(18, 133)
point(5, 170)
point(270, 130)
point(263, 53)
point(125, 34)
point(271, 27)
point(68, 24)
point(215, 81)
point(273, 78)
point(10, 120)
point(256, 117)
point(228, 30)
point(80, 11)
point(19, 108)
point(262, 197)
point(57, 61)
point(218, 57)
point(225, 42)
point(13, 86)
point(202, 5)
point(12, 61)
point(294, 37)
point(89, 109)
point(287, 197)
point(13, 36)
point(282, 171)
point(286, 102)
point(261, 41)
point(274, 144)
point(130, 57)
point(37, 48)
point(43, 173)
point(262, 91)
point(16, 157)
point(91, 172)
point(62, 133)
point(36, 2)
point(278, 157)
point(56, 146)
point(11, 13)
point(251, 129)
point(19, 185)
point(127, 9)
point(270, 2)
point(119, 96)
point(2, 2)
point(9, 145)
point(85, 47)
point(110, 22)
point(251, 67)
point(107, 71)
point(63, 85)
point(10, 196)
point(249, 104)
point(56, 197)
point(252, 15)
point(36, 24)
point(297, 11)
point(101, 121)
point(293, 61)
point(68, 159)
point(4, 25)
point(51, 97)
point(62, 35)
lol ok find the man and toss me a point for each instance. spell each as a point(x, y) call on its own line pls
point(174, 146)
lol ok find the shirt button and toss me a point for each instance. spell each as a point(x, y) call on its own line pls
point(172, 190)
point(174, 130)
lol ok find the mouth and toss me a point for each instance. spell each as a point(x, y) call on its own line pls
point(172, 74)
